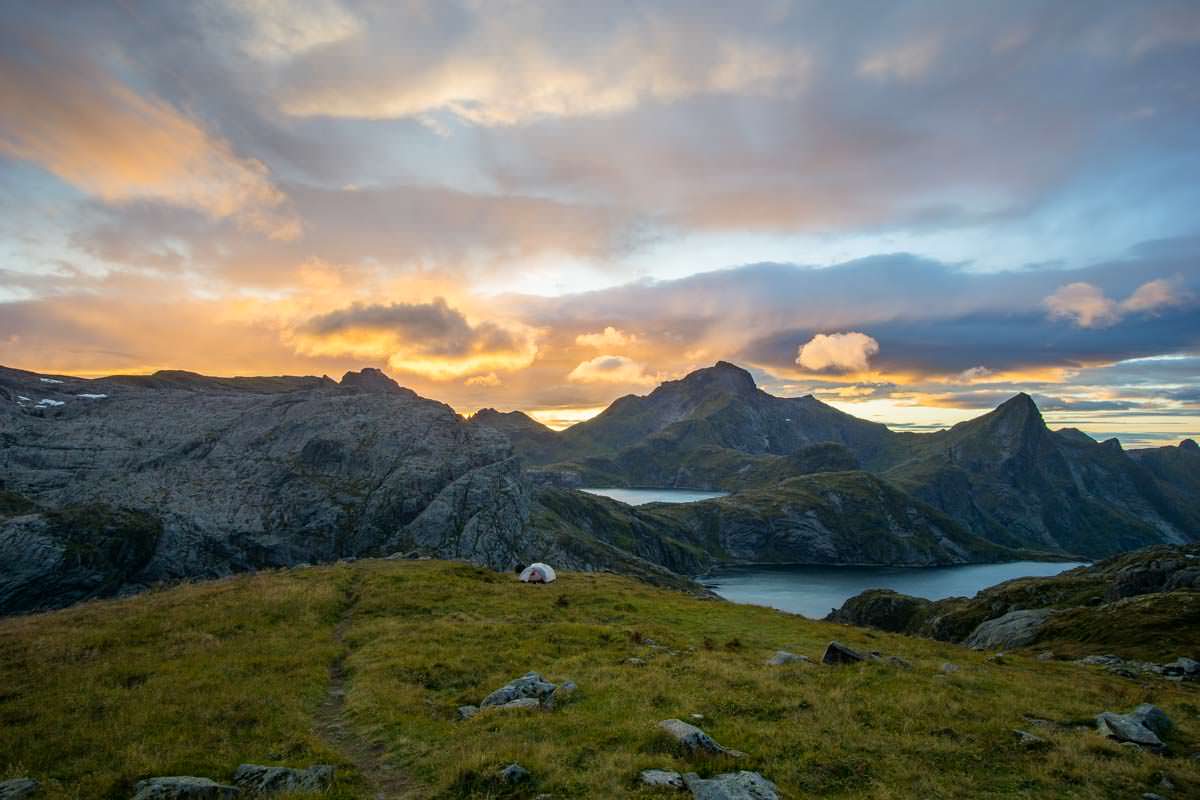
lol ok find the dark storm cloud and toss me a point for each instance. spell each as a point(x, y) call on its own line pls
point(432, 328)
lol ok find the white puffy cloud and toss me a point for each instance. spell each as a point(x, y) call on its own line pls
point(1089, 307)
point(611, 369)
point(609, 337)
point(837, 352)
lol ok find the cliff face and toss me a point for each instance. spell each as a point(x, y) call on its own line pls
point(243, 473)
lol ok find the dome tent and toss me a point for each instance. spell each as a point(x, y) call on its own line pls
point(538, 573)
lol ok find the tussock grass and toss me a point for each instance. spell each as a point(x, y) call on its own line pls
point(201, 678)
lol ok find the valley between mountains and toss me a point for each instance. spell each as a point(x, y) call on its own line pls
point(117, 484)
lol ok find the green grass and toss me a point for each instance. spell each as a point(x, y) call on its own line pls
point(198, 679)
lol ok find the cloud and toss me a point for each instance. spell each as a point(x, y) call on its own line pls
point(907, 62)
point(430, 339)
point(489, 381)
point(1083, 303)
point(1088, 307)
point(609, 337)
point(611, 369)
point(525, 63)
point(98, 134)
point(837, 352)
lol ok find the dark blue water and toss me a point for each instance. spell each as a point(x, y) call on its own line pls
point(815, 591)
point(637, 497)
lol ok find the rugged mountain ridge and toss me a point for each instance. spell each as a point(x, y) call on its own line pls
point(1004, 476)
point(114, 484)
point(247, 473)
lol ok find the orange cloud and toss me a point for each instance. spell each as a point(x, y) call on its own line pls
point(105, 139)
point(611, 369)
point(609, 337)
point(837, 352)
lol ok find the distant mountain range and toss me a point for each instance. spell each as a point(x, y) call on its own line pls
point(111, 485)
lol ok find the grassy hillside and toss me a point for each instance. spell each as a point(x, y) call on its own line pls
point(198, 679)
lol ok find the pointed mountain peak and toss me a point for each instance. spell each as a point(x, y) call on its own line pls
point(370, 380)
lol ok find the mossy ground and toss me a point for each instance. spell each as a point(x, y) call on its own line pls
point(198, 679)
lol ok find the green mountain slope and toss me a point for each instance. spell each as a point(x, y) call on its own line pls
point(201, 678)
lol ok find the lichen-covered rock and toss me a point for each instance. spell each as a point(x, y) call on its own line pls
point(268, 780)
point(19, 789)
point(514, 773)
point(1143, 726)
point(661, 778)
point(531, 685)
point(782, 657)
point(1014, 629)
point(742, 785)
point(693, 739)
point(183, 787)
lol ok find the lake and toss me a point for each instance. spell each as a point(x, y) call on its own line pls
point(639, 497)
point(815, 591)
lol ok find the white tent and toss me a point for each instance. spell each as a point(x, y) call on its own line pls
point(538, 573)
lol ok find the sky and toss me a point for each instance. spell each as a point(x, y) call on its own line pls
point(912, 210)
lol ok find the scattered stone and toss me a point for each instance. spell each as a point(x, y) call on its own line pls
point(466, 712)
point(1014, 629)
point(997, 658)
point(838, 653)
point(782, 657)
point(182, 787)
point(948, 667)
point(529, 703)
point(1045, 655)
point(268, 780)
point(1142, 726)
point(1153, 718)
point(1152, 796)
point(22, 788)
point(530, 685)
point(662, 778)
point(742, 785)
point(693, 739)
point(636, 662)
point(1181, 669)
point(1029, 741)
point(514, 773)
point(897, 661)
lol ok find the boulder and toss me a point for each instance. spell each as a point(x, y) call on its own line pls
point(183, 787)
point(1154, 718)
point(514, 773)
point(268, 780)
point(742, 785)
point(838, 653)
point(1014, 629)
point(1127, 728)
point(693, 739)
point(22, 788)
point(466, 712)
point(528, 703)
point(661, 778)
point(782, 657)
point(530, 685)
point(949, 668)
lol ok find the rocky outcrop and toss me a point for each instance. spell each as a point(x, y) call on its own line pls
point(19, 789)
point(693, 740)
point(1145, 726)
point(234, 474)
point(183, 788)
point(1014, 629)
point(742, 785)
point(261, 780)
